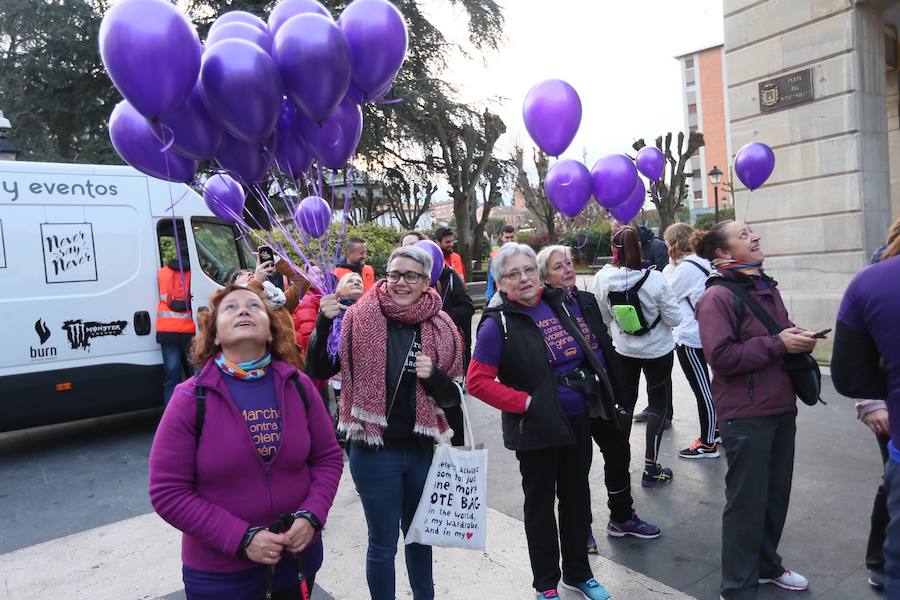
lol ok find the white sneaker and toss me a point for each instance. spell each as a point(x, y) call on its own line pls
point(789, 581)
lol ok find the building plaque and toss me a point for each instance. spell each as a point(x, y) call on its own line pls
point(787, 90)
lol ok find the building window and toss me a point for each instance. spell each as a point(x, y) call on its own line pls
point(693, 128)
point(692, 109)
point(698, 195)
point(689, 63)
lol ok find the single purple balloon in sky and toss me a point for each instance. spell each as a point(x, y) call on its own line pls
point(552, 114)
point(568, 187)
point(753, 164)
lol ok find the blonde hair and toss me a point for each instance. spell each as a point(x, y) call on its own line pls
point(892, 245)
point(346, 277)
point(678, 239)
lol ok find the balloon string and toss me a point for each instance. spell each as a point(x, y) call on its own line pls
point(167, 144)
point(342, 238)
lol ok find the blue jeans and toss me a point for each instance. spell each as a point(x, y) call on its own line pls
point(390, 483)
point(174, 361)
point(892, 543)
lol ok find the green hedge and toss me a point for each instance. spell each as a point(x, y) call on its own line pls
point(706, 220)
point(588, 243)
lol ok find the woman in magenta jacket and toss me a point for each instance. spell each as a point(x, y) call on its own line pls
point(262, 448)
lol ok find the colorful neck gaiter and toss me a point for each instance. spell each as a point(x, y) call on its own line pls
point(752, 269)
point(253, 369)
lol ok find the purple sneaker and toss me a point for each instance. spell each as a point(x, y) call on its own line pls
point(635, 527)
point(655, 475)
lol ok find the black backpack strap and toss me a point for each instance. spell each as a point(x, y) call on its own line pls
point(746, 299)
point(640, 283)
point(201, 413)
point(698, 265)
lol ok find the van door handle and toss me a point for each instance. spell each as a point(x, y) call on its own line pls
point(142, 322)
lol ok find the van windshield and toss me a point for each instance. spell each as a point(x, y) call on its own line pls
point(221, 253)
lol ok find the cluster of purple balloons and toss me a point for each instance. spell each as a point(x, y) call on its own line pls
point(257, 94)
point(552, 114)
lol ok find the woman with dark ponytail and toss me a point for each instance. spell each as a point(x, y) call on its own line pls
point(755, 404)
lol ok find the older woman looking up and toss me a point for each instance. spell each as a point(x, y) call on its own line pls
point(537, 350)
point(399, 355)
point(557, 271)
point(223, 492)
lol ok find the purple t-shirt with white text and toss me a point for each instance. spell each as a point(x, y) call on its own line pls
point(255, 399)
point(563, 352)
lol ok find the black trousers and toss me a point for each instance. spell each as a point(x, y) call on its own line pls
point(760, 454)
point(693, 364)
point(455, 420)
point(559, 472)
point(613, 443)
point(658, 372)
point(880, 517)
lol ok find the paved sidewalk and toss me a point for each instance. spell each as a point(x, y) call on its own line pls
point(140, 558)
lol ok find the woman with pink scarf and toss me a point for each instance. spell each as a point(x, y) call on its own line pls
point(399, 356)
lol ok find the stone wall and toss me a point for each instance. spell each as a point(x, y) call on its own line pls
point(827, 204)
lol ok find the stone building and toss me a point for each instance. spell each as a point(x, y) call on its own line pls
point(817, 81)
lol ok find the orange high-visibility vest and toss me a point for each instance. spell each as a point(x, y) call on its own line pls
point(171, 288)
point(368, 275)
point(454, 261)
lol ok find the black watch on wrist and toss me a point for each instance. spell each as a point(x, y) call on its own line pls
point(313, 519)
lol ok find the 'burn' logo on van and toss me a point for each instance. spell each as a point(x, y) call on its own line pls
point(42, 330)
point(80, 333)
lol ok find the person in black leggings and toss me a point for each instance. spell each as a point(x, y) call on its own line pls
point(648, 348)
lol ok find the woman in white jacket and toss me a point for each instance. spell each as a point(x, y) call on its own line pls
point(640, 310)
point(687, 274)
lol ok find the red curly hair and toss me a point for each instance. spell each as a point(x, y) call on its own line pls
point(204, 346)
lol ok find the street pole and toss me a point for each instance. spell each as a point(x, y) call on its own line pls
point(716, 193)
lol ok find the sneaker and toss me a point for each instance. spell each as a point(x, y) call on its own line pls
point(718, 438)
point(547, 594)
point(789, 581)
point(590, 589)
point(876, 580)
point(655, 475)
point(635, 527)
point(592, 543)
point(642, 416)
point(700, 450)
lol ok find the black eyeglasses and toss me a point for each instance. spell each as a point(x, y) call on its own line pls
point(410, 277)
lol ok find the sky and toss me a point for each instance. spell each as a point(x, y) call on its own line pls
point(619, 56)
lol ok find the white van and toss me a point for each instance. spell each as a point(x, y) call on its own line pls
point(80, 248)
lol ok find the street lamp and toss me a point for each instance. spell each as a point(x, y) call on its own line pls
point(715, 178)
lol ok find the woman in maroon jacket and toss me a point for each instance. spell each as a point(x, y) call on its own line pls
point(756, 407)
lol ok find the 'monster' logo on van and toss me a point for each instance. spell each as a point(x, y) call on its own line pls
point(80, 333)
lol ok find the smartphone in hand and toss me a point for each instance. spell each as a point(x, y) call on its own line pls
point(266, 254)
point(821, 333)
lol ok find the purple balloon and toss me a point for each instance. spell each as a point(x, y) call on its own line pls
point(136, 143)
point(377, 35)
point(753, 164)
point(286, 9)
point(248, 163)
point(437, 258)
point(196, 134)
point(335, 140)
point(314, 59)
point(152, 54)
point(292, 154)
point(239, 16)
point(241, 31)
point(614, 178)
point(224, 197)
point(568, 187)
point(313, 215)
point(552, 114)
point(242, 88)
point(651, 162)
point(360, 97)
point(629, 209)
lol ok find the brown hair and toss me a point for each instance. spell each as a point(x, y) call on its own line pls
point(204, 346)
point(628, 244)
point(892, 245)
point(705, 243)
point(678, 239)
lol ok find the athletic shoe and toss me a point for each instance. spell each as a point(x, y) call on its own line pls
point(642, 416)
point(655, 475)
point(876, 580)
point(592, 543)
point(718, 438)
point(635, 527)
point(700, 450)
point(547, 594)
point(789, 581)
point(590, 589)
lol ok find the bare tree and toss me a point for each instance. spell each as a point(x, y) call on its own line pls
point(408, 195)
point(496, 178)
point(670, 191)
point(535, 196)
